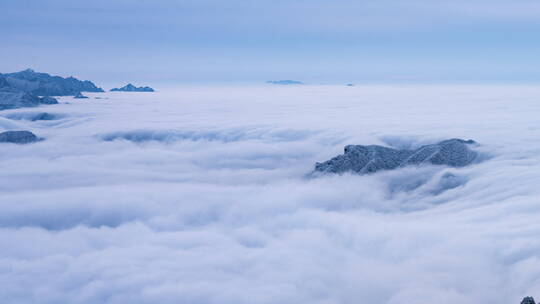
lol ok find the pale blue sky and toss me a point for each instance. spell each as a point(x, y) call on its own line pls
point(317, 41)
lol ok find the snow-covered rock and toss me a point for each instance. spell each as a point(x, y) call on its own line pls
point(373, 158)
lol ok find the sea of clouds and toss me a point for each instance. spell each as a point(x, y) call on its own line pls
point(204, 195)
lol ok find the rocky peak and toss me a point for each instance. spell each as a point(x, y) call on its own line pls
point(368, 159)
point(528, 300)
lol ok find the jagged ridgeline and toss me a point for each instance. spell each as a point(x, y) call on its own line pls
point(43, 84)
point(131, 88)
point(29, 89)
point(368, 159)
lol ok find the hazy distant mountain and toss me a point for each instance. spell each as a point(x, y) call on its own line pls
point(284, 82)
point(43, 84)
point(131, 88)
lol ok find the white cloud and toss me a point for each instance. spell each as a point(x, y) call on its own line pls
point(218, 209)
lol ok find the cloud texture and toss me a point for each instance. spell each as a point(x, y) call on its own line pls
point(201, 195)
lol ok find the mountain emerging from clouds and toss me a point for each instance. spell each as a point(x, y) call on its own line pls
point(368, 159)
point(131, 88)
point(13, 97)
point(43, 84)
point(23, 89)
point(13, 100)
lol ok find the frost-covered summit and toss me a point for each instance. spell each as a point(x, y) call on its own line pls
point(368, 159)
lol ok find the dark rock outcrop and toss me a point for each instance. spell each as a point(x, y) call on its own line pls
point(46, 85)
point(80, 96)
point(43, 116)
point(131, 88)
point(18, 137)
point(10, 99)
point(3, 82)
point(284, 82)
point(528, 300)
point(368, 159)
point(48, 100)
point(22, 89)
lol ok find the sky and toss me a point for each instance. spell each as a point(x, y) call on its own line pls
point(316, 41)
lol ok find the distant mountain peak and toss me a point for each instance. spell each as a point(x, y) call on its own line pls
point(131, 88)
point(285, 82)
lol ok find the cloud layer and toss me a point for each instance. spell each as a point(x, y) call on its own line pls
point(202, 195)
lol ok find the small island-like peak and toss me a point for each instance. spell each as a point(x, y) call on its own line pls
point(131, 88)
point(284, 82)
